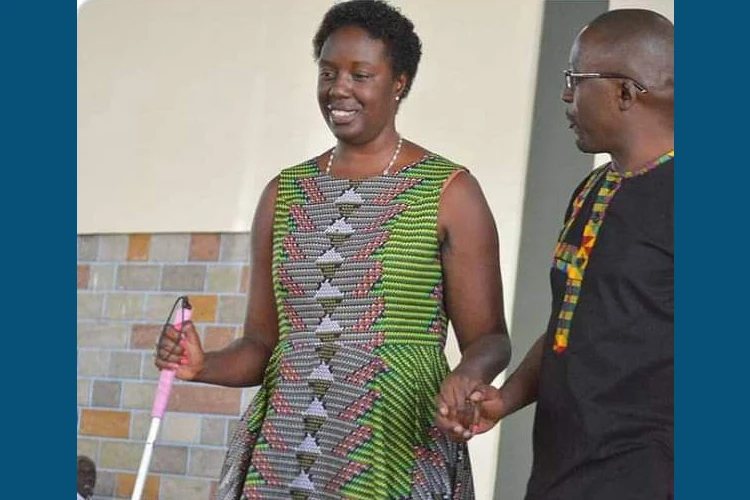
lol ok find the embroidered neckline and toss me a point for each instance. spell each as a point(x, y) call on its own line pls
point(650, 165)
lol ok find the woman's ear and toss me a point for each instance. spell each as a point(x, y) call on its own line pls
point(400, 86)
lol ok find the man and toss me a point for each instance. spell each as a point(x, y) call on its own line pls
point(86, 477)
point(603, 373)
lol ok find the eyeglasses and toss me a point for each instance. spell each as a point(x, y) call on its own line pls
point(571, 77)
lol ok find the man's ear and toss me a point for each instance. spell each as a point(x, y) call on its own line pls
point(628, 95)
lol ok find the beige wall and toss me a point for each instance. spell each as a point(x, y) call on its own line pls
point(186, 108)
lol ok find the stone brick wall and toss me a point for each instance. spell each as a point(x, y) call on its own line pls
point(126, 287)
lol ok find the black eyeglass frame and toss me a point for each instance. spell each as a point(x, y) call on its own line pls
point(570, 75)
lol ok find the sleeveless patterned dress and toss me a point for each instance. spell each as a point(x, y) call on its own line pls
point(346, 409)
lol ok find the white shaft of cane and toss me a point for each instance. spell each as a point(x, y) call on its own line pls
point(140, 479)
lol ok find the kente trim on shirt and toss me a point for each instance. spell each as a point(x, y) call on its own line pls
point(573, 260)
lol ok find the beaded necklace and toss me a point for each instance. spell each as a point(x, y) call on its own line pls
point(387, 169)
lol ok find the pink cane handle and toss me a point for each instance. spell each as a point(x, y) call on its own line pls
point(166, 377)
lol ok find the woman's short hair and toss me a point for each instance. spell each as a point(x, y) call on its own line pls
point(383, 22)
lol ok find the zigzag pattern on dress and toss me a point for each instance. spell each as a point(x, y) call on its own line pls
point(349, 389)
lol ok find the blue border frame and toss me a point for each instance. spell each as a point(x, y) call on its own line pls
point(39, 163)
point(711, 297)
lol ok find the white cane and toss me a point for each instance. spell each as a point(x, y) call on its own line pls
point(166, 377)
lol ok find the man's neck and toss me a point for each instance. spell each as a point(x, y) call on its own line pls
point(637, 158)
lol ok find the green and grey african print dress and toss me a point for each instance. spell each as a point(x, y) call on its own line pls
point(346, 409)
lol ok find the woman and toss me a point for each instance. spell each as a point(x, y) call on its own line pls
point(360, 257)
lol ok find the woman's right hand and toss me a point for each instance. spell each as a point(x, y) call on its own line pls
point(181, 352)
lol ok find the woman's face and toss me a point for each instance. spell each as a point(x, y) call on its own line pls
point(356, 86)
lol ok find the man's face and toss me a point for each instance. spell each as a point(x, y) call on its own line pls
point(591, 102)
point(86, 477)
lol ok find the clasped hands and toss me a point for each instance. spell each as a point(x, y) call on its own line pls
point(466, 406)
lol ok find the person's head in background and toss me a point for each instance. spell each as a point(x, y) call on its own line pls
point(86, 476)
point(619, 87)
point(367, 54)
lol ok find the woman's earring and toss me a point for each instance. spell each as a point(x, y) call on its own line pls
point(398, 97)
